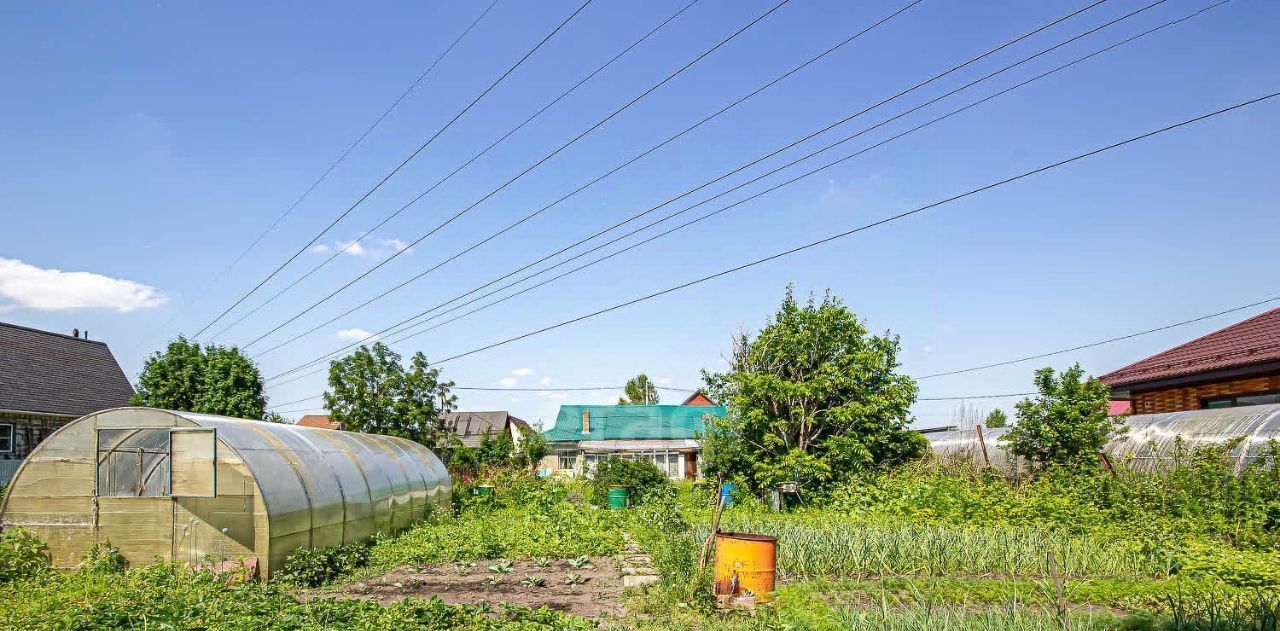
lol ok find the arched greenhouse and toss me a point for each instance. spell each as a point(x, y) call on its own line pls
point(1150, 442)
point(197, 487)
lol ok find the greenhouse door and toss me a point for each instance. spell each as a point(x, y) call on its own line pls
point(131, 483)
point(193, 478)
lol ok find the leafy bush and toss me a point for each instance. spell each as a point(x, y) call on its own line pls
point(560, 530)
point(22, 555)
point(1233, 567)
point(103, 558)
point(312, 567)
point(171, 596)
point(642, 476)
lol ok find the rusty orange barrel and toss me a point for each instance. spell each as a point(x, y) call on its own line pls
point(745, 562)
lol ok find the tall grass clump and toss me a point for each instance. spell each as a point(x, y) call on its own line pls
point(816, 544)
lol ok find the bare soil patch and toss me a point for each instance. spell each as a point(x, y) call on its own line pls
point(475, 583)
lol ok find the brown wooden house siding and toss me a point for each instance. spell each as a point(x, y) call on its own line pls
point(1189, 397)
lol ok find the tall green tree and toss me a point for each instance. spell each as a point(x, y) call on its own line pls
point(370, 391)
point(813, 398)
point(639, 391)
point(997, 419)
point(1066, 423)
point(212, 379)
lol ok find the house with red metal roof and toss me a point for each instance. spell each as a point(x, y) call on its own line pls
point(319, 420)
point(1235, 366)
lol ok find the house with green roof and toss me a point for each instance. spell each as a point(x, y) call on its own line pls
point(667, 435)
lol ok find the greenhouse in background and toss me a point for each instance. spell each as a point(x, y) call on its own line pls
point(1150, 441)
point(200, 488)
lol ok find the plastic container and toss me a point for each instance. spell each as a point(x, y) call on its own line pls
point(726, 493)
point(619, 497)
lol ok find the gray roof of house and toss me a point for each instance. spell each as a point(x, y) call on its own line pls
point(472, 426)
point(53, 373)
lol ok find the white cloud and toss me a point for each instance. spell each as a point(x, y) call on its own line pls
point(664, 381)
point(553, 395)
point(546, 381)
point(355, 335)
point(373, 248)
point(32, 287)
point(352, 248)
point(522, 372)
point(928, 348)
point(507, 382)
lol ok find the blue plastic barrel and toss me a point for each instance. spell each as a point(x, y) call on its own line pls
point(726, 493)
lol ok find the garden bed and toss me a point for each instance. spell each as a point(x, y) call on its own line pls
point(596, 596)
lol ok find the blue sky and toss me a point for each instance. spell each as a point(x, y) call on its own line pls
point(146, 144)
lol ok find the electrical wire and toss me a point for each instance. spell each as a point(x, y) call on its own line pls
point(369, 231)
point(595, 180)
point(1109, 340)
point(666, 388)
point(738, 169)
point(402, 323)
point(336, 163)
point(864, 227)
point(397, 169)
point(745, 200)
point(521, 174)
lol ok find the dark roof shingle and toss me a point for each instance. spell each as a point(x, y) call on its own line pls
point(58, 374)
point(472, 426)
point(1247, 342)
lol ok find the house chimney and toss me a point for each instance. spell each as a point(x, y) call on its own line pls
point(586, 421)
point(86, 334)
point(75, 333)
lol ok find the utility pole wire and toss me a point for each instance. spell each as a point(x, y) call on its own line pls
point(394, 171)
point(404, 322)
point(747, 199)
point(865, 227)
point(667, 388)
point(1109, 340)
point(594, 181)
point(369, 231)
point(521, 174)
point(772, 153)
point(341, 158)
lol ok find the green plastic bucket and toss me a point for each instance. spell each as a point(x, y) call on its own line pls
point(482, 491)
point(619, 497)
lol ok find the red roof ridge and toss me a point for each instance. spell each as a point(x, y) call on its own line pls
point(1211, 348)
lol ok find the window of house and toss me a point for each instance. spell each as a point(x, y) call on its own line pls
point(1241, 400)
point(6, 437)
point(568, 461)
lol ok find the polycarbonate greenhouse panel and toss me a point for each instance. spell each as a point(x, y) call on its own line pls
point(1150, 441)
point(197, 487)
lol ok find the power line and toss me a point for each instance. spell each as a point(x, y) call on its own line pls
point(1109, 340)
point(365, 233)
point(749, 198)
point(397, 169)
point(596, 180)
point(979, 396)
point(341, 158)
point(402, 323)
point(666, 388)
point(720, 177)
point(865, 227)
point(521, 174)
